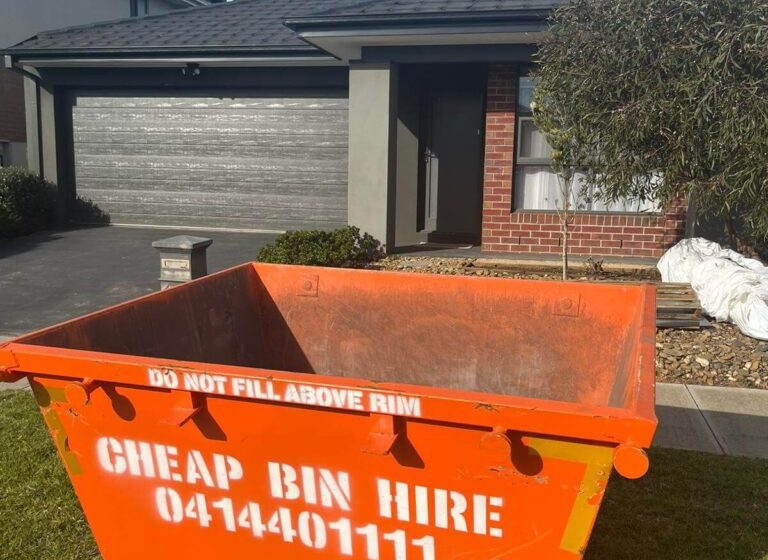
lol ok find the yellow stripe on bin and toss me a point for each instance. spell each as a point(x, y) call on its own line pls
point(597, 460)
point(60, 439)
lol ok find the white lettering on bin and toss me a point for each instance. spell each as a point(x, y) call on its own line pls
point(344, 398)
point(449, 507)
point(139, 458)
point(421, 508)
point(332, 488)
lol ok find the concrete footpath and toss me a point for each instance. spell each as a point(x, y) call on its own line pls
point(723, 420)
point(719, 420)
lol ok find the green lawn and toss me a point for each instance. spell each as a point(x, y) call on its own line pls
point(40, 518)
point(689, 506)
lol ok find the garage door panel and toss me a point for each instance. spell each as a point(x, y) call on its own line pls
point(217, 139)
point(257, 156)
point(277, 127)
point(328, 190)
point(148, 175)
point(207, 118)
point(299, 101)
point(151, 179)
point(253, 163)
point(289, 202)
point(241, 212)
point(159, 167)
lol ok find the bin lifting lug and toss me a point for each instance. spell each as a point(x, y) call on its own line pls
point(78, 393)
point(8, 376)
point(630, 462)
point(497, 444)
point(383, 435)
point(185, 406)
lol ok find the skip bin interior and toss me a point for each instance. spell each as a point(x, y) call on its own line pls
point(570, 342)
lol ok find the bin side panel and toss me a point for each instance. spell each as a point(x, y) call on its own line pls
point(545, 340)
point(215, 321)
point(244, 479)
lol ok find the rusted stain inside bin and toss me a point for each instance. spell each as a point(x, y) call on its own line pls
point(357, 414)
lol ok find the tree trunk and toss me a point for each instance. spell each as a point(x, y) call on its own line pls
point(565, 247)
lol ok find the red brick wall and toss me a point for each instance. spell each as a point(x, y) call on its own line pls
point(12, 107)
point(539, 232)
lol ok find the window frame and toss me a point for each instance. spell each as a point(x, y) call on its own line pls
point(537, 161)
point(519, 162)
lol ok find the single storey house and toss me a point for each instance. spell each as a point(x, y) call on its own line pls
point(408, 118)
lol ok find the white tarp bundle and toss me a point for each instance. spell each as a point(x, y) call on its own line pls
point(730, 286)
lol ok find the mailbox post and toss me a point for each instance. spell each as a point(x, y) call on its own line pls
point(182, 258)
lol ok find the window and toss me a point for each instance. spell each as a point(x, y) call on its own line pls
point(139, 8)
point(537, 186)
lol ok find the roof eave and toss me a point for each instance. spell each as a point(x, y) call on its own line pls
point(152, 51)
point(346, 42)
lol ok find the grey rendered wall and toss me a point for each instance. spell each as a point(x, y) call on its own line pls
point(372, 145)
point(39, 104)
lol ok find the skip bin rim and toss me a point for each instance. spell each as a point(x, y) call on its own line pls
point(633, 424)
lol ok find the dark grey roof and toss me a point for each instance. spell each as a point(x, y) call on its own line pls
point(409, 7)
point(243, 25)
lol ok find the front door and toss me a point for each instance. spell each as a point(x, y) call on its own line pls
point(453, 169)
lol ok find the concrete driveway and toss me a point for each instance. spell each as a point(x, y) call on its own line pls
point(55, 275)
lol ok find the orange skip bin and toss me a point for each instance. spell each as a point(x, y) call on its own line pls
point(306, 413)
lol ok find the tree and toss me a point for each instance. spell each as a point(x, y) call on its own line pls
point(566, 163)
point(663, 100)
point(565, 179)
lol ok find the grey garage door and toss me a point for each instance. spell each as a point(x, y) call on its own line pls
point(274, 162)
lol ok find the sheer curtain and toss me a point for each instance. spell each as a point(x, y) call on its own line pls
point(537, 187)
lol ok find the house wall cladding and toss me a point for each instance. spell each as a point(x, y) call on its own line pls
point(506, 230)
point(12, 125)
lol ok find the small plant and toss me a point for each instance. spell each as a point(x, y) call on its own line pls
point(594, 266)
point(27, 202)
point(343, 247)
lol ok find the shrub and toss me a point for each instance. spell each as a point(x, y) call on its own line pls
point(27, 202)
point(340, 247)
point(85, 211)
